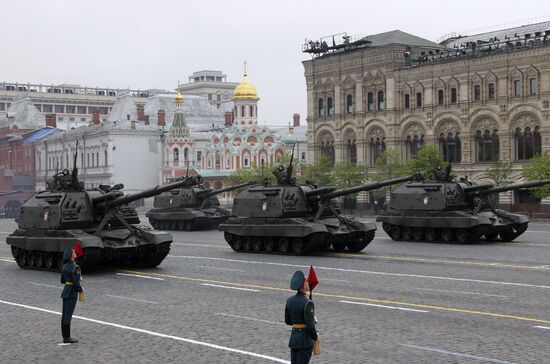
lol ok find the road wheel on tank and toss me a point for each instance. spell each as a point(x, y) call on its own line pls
point(417, 233)
point(247, 243)
point(395, 233)
point(507, 233)
point(257, 244)
point(463, 236)
point(188, 225)
point(447, 235)
point(14, 251)
point(406, 233)
point(153, 223)
point(491, 236)
point(39, 259)
point(237, 243)
point(59, 260)
point(22, 258)
point(338, 245)
point(269, 244)
point(154, 259)
point(386, 227)
point(362, 239)
point(49, 260)
point(298, 246)
point(31, 262)
point(284, 245)
point(228, 237)
point(430, 234)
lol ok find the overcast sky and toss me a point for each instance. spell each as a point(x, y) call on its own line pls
point(154, 43)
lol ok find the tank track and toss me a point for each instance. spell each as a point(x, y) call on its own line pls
point(452, 235)
point(151, 259)
point(178, 225)
point(53, 261)
point(353, 242)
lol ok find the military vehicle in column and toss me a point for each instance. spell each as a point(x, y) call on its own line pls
point(192, 207)
point(99, 219)
point(296, 219)
point(452, 211)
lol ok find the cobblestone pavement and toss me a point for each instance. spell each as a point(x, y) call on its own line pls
point(395, 302)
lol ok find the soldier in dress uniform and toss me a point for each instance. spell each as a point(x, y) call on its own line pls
point(300, 313)
point(71, 278)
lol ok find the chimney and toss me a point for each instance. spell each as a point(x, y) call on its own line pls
point(161, 118)
point(51, 120)
point(296, 118)
point(228, 118)
point(146, 119)
point(95, 117)
point(141, 113)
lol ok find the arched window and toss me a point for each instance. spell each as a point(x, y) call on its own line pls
point(352, 151)
point(349, 104)
point(477, 92)
point(330, 107)
point(251, 111)
point(413, 145)
point(450, 147)
point(380, 98)
point(320, 108)
point(440, 98)
point(407, 101)
point(370, 101)
point(176, 155)
point(419, 99)
point(491, 91)
point(327, 149)
point(242, 111)
point(186, 154)
point(533, 86)
point(105, 156)
point(454, 96)
point(487, 145)
point(527, 143)
point(377, 146)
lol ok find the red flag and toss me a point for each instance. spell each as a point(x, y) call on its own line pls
point(78, 250)
point(312, 278)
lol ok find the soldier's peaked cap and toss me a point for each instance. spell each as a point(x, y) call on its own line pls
point(297, 280)
point(67, 253)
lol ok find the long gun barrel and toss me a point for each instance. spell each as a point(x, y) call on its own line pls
point(369, 186)
point(208, 193)
point(320, 191)
point(517, 186)
point(123, 200)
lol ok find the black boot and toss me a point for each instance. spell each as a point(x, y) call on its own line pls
point(69, 340)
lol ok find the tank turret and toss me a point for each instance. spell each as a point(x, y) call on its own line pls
point(447, 210)
point(98, 218)
point(189, 208)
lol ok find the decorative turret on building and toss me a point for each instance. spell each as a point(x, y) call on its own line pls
point(179, 144)
point(246, 102)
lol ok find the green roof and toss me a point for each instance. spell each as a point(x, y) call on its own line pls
point(179, 120)
point(399, 37)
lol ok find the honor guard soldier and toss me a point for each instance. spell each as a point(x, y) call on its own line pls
point(300, 313)
point(71, 278)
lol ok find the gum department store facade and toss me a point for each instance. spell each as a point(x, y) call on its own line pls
point(479, 98)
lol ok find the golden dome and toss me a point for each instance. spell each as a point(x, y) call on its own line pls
point(179, 97)
point(245, 90)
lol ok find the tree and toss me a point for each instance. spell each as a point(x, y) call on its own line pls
point(253, 173)
point(538, 168)
point(387, 166)
point(319, 173)
point(427, 159)
point(347, 174)
point(499, 173)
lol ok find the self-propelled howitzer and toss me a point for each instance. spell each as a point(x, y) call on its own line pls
point(291, 218)
point(447, 211)
point(99, 219)
point(189, 208)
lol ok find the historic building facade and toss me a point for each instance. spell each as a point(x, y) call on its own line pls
point(478, 104)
